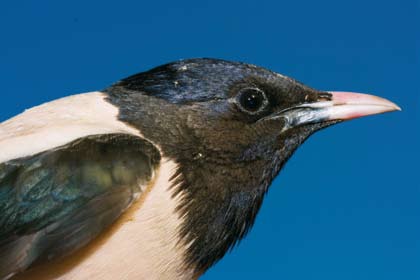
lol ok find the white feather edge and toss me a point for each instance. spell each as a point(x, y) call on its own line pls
point(59, 122)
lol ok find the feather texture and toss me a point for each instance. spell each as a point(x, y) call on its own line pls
point(56, 202)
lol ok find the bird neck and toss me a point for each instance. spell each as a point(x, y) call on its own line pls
point(222, 190)
point(219, 205)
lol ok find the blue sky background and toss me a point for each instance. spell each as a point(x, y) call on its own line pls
point(347, 205)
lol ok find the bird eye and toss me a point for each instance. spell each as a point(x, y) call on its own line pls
point(252, 99)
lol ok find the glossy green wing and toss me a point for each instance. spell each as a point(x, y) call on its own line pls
point(56, 202)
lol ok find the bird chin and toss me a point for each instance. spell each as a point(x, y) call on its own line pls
point(307, 129)
point(293, 138)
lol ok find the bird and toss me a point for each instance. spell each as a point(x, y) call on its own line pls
point(157, 176)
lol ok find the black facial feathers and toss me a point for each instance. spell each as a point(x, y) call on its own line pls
point(227, 156)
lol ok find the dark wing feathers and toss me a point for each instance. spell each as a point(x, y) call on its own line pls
point(53, 203)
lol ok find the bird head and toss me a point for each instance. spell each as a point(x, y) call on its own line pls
point(230, 127)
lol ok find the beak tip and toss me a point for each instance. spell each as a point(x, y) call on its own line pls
point(393, 107)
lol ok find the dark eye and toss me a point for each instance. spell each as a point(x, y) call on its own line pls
point(252, 99)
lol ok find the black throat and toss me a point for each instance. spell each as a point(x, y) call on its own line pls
point(225, 164)
point(223, 193)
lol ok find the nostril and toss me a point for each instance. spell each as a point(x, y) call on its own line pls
point(325, 96)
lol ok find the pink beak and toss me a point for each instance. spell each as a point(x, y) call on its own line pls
point(349, 105)
point(342, 106)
